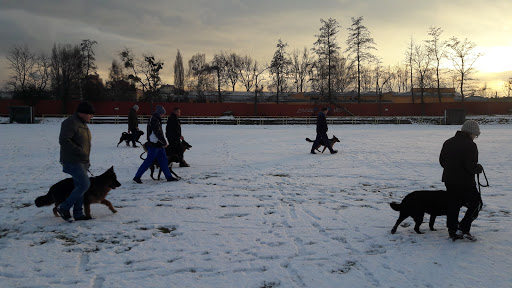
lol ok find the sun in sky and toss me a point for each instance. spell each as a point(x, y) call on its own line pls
point(495, 59)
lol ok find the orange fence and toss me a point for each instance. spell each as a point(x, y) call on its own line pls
point(45, 107)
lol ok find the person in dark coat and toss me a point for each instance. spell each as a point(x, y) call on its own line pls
point(459, 159)
point(133, 124)
point(156, 147)
point(75, 147)
point(173, 134)
point(321, 132)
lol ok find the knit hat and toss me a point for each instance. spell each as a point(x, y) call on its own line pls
point(136, 107)
point(471, 127)
point(160, 110)
point(85, 107)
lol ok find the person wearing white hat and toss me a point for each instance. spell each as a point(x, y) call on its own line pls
point(459, 159)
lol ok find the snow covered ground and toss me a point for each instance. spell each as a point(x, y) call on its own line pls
point(255, 209)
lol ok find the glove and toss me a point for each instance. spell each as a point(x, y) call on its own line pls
point(479, 169)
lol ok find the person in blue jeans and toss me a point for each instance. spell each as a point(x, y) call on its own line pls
point(156, 147)
point(75, 148)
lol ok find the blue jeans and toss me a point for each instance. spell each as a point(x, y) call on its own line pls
point(157, 153)
point(78, 172)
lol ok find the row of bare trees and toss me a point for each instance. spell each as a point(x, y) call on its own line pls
point(326, 68)
point(328, 71)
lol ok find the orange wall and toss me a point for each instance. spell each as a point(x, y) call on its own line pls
point(267, 109)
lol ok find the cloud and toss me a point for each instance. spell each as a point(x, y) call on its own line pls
point(161, 27)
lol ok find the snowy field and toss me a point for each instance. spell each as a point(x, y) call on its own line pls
point(255, 209)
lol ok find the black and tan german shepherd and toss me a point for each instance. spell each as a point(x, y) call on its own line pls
point(172, 157)
point(97, 192)
point(332, 141)
point(128, 137)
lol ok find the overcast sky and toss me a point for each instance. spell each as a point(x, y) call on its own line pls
point(249, 27)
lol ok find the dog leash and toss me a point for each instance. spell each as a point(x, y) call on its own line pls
point(478, 180)
point(90, 172)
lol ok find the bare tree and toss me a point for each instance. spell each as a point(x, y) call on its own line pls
point(345, 75)
point(233, 63)
point(359, 43)
point(300, 68)
point(199, 79)
point(508, 87)
point(383, 78)
point(66, 72)
point(89, 65)
point(463, 58)
point(279, 67)
point(179, 74)
point(402, 78)
point(409, 55)
point(30, 73)
point(21, 63)
point(247, 71)
point(41, 77)
point(436, 49)
point(366, 79)
point(421, 60)
point(258, 79)
point(117, 86)
point(151, 68)
point(144, 72)
point(90, 87)
point(130, 64)
point(327, 49)
point(219, 66)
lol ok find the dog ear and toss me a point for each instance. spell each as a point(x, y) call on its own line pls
point(111, 168)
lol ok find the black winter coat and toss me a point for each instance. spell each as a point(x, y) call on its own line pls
point(321, 123)
point(459, 158)
point(133, 121)
point(74, 140)
point(173, 128)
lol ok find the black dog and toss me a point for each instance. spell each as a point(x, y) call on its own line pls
point(128, 137)
point(172, 157)
point(417, 203)
point(97, 192)
point(332, 141)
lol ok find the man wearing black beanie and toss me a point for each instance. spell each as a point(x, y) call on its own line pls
point(75, 147)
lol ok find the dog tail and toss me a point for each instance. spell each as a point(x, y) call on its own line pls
point(44, 200)
point(395, 206)
point(309, 140)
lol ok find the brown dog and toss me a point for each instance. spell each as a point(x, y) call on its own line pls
point(333, 140)
point(97, 192)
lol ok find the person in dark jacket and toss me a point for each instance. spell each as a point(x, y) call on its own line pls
point(75, 147)
point(156, 147)
point(321, 132)
point(133, 124)
point(173, 134)
point(459, 159)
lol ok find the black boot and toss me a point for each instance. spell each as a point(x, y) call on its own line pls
point(454, 235)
